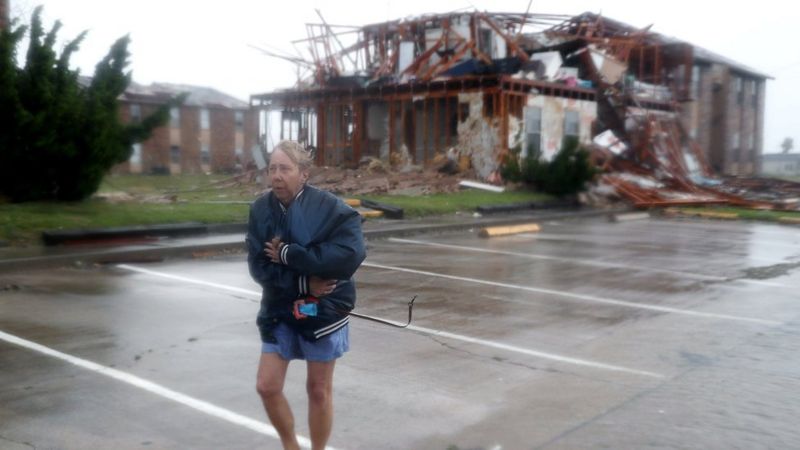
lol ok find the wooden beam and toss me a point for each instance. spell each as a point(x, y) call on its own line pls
point(510, 42)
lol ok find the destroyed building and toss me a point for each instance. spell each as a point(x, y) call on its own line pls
point(486, 84)
point(210, 132)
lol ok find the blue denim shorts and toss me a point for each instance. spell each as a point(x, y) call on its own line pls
point(291, 345)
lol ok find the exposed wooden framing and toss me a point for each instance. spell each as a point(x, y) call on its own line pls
point(436, 125)
point(412, 145)
point(641, 62)
point(657, 68)
point(335, 37)
point(357, 110)
point(441, 68)
point(319, 158)
point(403, 125)
point(447, 120)
point(503, 122)
point(418, 63)
point(392, 131)
point(512, 46)
point(459, 119)
point(424, 130)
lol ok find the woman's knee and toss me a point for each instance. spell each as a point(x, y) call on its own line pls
point(268, 388)
point(271, 375)
point(319, 391)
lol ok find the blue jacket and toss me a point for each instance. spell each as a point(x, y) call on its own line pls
point(323, 237)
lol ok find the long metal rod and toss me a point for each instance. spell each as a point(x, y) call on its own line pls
point(388, 322)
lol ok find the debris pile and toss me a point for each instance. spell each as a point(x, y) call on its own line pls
point(378, 179)
point(644, 152)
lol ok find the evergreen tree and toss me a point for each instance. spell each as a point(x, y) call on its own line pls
point(59, 138)
point(566, 174)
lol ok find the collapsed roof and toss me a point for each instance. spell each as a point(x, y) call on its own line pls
point(637, 77)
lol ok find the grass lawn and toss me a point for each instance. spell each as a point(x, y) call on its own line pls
point(22, 223)
point(184, 187)
point(744, 213)
point(198, 198)
point(466, 200)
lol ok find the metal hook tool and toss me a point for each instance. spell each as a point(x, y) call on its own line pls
point(388, 322)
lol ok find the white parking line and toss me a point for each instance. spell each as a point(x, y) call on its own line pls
point(149, 386)
point(587, 298)
point(430, 331)
point(586, 262)
point(170, 276)
point(581, 238)
point(534, 353)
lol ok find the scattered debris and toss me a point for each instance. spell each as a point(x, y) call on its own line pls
point(391, 212)
point(628, 217)
point(394, 181)
point(482, 186)
point(370, 213)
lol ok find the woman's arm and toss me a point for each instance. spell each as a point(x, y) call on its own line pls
point(263, 270)
point(338, 257)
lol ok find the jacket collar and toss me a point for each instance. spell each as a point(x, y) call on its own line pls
point(296, 197)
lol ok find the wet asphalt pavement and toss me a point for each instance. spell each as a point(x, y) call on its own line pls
point(648, 334)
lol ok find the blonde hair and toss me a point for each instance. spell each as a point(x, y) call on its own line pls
point(295, 151)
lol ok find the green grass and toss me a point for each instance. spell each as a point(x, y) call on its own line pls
point(184, 187)
point(22, 223)
point(747, 214)
point(467, 200)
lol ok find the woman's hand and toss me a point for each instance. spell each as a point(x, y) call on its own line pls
point(320, 287)
point(273, 248)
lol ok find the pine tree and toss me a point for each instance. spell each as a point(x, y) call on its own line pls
point(58, 138)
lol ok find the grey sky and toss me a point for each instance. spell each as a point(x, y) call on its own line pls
point(206, 43)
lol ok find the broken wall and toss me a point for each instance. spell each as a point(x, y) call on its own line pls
point(376, 139)
point(478, 135)
point(553, 114)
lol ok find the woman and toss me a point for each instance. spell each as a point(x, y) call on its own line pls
point(304, 245)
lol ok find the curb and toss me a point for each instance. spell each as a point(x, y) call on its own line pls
point(143, 253)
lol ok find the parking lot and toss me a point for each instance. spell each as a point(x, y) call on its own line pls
point(647, 334)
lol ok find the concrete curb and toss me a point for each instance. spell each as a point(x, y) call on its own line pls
point(149, 253)
point(58, 237)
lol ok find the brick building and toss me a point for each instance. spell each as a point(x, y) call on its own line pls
point(210, 132)
point(725, 112)
point(3, 14)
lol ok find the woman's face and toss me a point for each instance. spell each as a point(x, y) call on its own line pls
point(285, 176)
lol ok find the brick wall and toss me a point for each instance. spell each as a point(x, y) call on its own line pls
point(3, 14)
point(717, 115)
point(190, 139)
point(155, 150)
point(743, 120)
point(222, 139)
point(250, 134)
point(759, 127)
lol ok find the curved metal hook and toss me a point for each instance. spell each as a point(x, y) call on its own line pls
point(387, 322)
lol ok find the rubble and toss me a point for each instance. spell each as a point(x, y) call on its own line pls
point(395, 182)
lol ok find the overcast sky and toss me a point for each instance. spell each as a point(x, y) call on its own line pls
point(207, 43)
